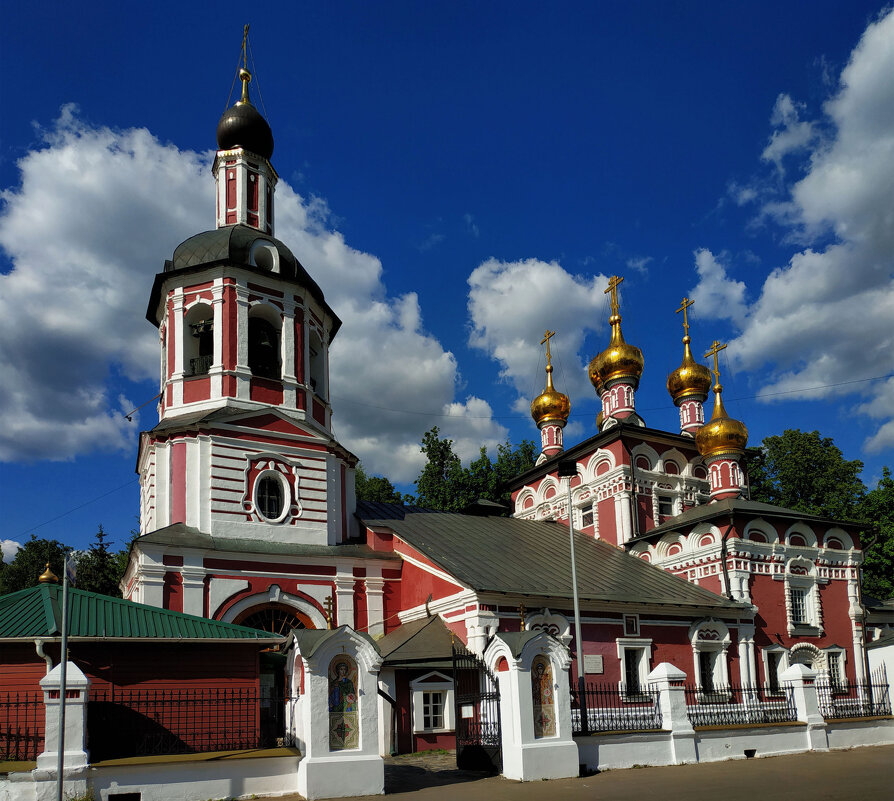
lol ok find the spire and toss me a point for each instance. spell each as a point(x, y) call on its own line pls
point(245, 177)
point(550, 409)
point(689, 384)
point(722, 441)
point(615, 373)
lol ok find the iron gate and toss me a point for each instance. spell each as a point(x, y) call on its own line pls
point(477, 699)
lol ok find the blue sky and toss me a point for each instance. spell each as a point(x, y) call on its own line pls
point(457, 177)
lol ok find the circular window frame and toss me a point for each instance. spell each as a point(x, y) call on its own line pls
point(286, 496)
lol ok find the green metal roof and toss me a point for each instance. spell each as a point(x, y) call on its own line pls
point(37, 612)
point(526, 557)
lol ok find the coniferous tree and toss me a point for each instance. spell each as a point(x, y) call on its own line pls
point(99, 569)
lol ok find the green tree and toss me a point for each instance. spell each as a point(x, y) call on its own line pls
point(442, 481)
point(445, 484)
point(99, 569)
point(877, 509)
point(807, 472)
point(375, 488)
point(30, 562)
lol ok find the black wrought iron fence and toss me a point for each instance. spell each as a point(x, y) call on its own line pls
point(852, 699)
point(610, 707)
point(22, 720)
point(733, 705)
point(124, 723)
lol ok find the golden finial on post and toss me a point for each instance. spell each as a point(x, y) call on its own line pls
point(521, 615)
point(683, 307)
point(48, 576)
point(328, 604)
point(716, 347)
point(612, 290)
point(244, 74)
point(546, 338)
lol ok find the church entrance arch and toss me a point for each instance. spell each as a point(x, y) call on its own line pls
point(275, 618)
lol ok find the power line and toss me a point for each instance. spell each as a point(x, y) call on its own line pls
point(75, 509)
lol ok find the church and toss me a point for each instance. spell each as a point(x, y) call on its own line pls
point(248, 512)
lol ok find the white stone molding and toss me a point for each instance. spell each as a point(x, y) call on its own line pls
point(552, 623)
point(710, 636)
point(805, 531)
point(274, 594)
point(375, 603)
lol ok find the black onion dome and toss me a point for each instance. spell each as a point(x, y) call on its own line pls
point(243, 126)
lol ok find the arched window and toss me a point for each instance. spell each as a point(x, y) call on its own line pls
point(263, 348)
point(275, 618)
point(317, 362)
point(198, 340)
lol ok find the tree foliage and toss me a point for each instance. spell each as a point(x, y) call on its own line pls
point(807, 472)
point(445, 484)
point(99, 569)
point(30, 562)
point(375, 488)
point(877, 509)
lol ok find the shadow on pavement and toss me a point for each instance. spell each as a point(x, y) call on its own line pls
point(410, 772)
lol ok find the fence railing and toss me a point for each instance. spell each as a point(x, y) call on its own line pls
point(22, 721)
point(851, 699)
point(125, 723)
point(610, 707)
point(732, 705)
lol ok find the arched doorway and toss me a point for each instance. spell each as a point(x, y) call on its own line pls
point(279, 619)
point(275, 618)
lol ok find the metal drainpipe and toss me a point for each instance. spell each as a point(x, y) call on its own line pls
point(38, 646)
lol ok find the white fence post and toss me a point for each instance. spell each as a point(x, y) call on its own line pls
point(74, 739)
point(670, 682)
point(802, 678)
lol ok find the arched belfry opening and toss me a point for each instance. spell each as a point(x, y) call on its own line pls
point(263, 345)
point(198, 342)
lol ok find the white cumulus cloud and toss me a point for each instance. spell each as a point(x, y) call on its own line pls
point(8, 550)
point(717, 295)
point(511, 304)
point(827, 316)
point(93, 218)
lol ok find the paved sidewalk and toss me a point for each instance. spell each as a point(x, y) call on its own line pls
point(864, 774)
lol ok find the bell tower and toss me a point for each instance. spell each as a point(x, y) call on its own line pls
point(244, 446)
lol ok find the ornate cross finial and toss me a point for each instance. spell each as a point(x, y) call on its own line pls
point(715, 349)
point(613, 289)
point(521, 614)
point(328, 604)
point(546, 338)
point(244, 74)
point(685, 305)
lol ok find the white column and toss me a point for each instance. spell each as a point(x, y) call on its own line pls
point(623, 516)
point(747, 670)
point(216, 371)
point(193, 576)
point(72, 742)
point(375, 603)
point(344, 596)
point(243, 373)
point(802, 678)
point(670, 682)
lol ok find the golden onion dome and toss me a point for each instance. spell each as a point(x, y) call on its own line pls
point(618, 360)
point(721, 435)
point(48, 576)
point(550, 406)
point(690, 379)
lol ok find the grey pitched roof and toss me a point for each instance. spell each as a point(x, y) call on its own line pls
point(735, 506)
point(188, 537)
point(420, 641)
point(379, 510)
point(525, 557)
point(309, 640)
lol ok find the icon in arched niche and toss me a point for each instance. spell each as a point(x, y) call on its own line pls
point(344, 727)
point(542, 691)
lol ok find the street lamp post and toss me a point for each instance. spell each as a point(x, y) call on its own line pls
point(568, 470)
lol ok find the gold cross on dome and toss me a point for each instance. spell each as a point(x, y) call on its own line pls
point(613, 283)
point(715, 349)
point(328, 604)
point(546, 338)
point(685, 305)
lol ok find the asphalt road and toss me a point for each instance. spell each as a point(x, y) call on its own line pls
point(864, 774)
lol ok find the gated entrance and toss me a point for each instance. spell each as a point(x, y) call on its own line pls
point(477, 699)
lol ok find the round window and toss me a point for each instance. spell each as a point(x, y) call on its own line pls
point(270, 496)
